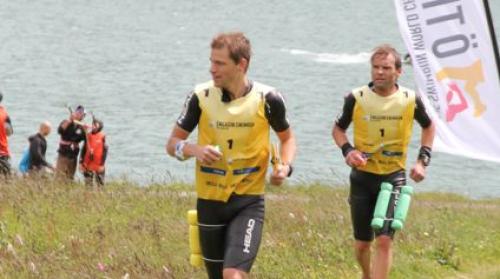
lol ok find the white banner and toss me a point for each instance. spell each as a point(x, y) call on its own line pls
point(454, 64)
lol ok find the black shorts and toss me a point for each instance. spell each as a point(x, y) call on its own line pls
point(230, 233)
point(365, 187)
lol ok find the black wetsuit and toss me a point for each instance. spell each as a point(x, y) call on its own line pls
point(365, 186)
point(38, 148)
point(230, 232)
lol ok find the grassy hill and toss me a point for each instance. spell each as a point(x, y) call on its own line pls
point(50, 230)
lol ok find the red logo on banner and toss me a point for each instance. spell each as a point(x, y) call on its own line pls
point(472, 75)
point(455, 100)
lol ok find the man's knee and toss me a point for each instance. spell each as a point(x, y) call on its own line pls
point(362, 246)
point(384, 242)
point(234, 273)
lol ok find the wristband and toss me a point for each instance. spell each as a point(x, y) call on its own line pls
point(424, 155)
point(179, 150)
point(346, 148)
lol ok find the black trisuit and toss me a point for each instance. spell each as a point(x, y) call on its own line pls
point(365, 184)
point(230, 200)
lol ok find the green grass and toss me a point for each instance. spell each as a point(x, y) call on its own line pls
point(50, 230)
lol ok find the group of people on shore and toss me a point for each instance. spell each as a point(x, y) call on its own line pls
point(234, 116)
point(80, 145)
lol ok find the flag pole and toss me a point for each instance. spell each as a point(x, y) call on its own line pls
point(492, 35)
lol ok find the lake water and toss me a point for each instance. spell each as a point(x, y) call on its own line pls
point(133, 62)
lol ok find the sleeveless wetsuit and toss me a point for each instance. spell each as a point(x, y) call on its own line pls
point(382, 131)
point(231, 192)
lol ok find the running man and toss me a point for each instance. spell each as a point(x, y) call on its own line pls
point(383, 114)
point(234, 116)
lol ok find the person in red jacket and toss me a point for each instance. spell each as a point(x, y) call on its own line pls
point(93, 155)
point(5, 131)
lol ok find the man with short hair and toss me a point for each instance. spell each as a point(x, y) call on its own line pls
point(234, 116)
point(382, 113)
point(6, 130)
point(38, 148)
point(72, 133)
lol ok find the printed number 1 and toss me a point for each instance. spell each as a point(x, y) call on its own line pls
point(382, 132)
point(230, 143)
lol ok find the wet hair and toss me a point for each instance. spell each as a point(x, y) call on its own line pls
point(238, 45)
point(384, 50)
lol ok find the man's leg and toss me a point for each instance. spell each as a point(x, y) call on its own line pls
point(72, 162)
point(5, 167)
point(362, 199)
point(88, 177)
point(212, 248)
point(233, 273)
point(362, 253)
point(383, 239)
point(99, 176)
point(383, 257)
point(65, 168)
point(61, 167)
point(212, 236)
point(244, 235)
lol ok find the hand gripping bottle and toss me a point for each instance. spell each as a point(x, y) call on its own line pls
point(194, 239)
point(402, 207)
point(217, 147)
point(381, 207)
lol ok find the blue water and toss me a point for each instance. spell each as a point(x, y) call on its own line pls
point(133, 62)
